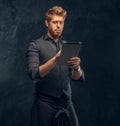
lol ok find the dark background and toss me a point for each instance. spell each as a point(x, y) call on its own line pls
point(94, 22)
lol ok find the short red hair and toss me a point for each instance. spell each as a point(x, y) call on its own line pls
point(55, 10)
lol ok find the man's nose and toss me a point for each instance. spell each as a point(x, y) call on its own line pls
point(58, 24)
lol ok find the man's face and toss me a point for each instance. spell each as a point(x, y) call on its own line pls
point(55, 26)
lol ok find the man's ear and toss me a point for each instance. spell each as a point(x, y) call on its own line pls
point(46, 23)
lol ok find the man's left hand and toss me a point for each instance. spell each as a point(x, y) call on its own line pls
point(74, 62)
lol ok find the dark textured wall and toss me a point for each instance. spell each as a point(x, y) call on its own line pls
point(96, 24)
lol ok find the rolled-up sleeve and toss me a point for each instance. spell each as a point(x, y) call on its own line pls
point(82, 78)
point(32, 56)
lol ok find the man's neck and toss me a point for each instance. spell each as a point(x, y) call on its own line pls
point(55, 38)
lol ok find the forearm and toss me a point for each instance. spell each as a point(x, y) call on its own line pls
point(47, 67)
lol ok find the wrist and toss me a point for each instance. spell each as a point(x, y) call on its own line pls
point(54, 58)
point(77, 69)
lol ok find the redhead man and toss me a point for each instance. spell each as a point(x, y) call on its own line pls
point(52, 102)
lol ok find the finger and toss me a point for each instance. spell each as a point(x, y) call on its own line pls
point(74, 62)
point(74, 58)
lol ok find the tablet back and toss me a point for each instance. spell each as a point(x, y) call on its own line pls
point(69, 49)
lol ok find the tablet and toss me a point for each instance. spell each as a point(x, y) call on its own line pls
point(69, 49)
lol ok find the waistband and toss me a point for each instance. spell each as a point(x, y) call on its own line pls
point(62, 101)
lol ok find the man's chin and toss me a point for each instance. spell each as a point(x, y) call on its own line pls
point(57, 34)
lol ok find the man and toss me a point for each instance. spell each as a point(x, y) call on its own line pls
point(53, 103)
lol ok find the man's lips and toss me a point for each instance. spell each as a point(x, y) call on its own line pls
point(57, 31)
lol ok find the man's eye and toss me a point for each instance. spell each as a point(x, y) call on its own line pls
point(61, 22)
point(54, 22)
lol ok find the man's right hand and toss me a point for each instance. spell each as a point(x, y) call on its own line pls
point(45, 68)
point(57, 56)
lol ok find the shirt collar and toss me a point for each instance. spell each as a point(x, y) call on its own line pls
point(46, 37)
